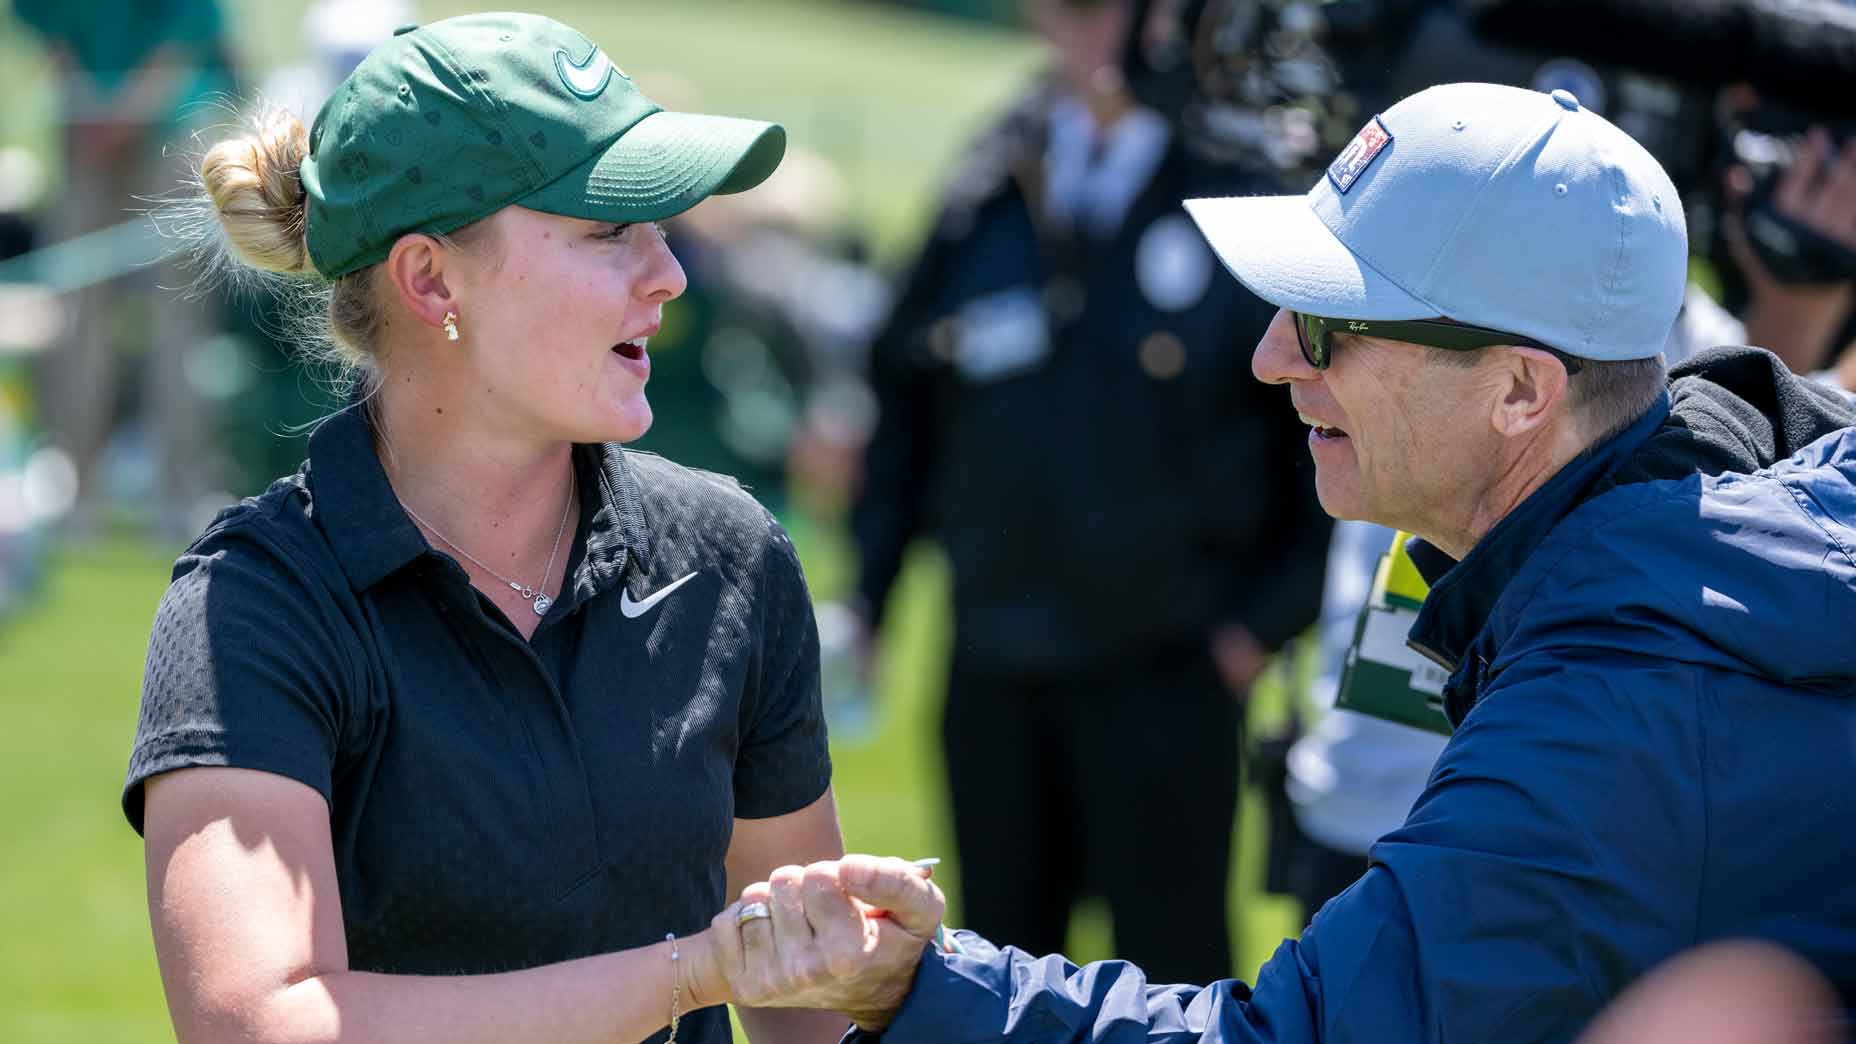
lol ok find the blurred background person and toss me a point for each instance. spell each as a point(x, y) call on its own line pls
point(1061, 386)
point(134, 77)
point(765, 362)
point(35, 479)
point(1351, 777)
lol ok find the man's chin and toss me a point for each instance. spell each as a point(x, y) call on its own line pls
point(1344, 504)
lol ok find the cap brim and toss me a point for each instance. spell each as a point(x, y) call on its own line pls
point(665, 164)
point(1279, 248)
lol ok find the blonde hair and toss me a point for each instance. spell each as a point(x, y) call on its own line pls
point(255, 186)
point(243, 222)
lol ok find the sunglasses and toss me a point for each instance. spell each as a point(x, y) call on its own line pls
point(1315, 334)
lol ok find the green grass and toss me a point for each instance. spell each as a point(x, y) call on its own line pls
point(76, 963)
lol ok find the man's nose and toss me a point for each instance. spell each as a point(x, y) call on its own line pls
point(1278, 358)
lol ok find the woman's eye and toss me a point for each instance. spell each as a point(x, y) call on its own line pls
point(615, 232)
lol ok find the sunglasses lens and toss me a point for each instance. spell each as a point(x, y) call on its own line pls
point(1311, 333)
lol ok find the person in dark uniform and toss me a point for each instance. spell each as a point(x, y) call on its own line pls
point(1131, 521)
point(454, 733)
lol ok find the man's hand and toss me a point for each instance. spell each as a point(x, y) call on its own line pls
point(844, 935)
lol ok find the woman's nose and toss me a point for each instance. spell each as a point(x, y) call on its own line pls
point(663, 278)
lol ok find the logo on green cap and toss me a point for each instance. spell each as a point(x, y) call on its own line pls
point(586, 78)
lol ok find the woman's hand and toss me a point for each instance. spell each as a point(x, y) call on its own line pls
point(845, 935)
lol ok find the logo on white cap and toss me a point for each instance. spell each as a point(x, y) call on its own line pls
point(1359, 155)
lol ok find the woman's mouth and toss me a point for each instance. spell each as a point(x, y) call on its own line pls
point(633, 350)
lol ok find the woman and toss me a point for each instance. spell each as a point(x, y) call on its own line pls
point(454, 733)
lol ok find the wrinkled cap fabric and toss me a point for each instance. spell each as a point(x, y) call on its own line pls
point(1491, 205)
point(445, 124)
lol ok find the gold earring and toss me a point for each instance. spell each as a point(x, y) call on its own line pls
point(451, 326)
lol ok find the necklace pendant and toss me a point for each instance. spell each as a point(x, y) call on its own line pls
point(541, 604)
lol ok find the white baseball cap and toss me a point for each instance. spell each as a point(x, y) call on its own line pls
point(1495, 206)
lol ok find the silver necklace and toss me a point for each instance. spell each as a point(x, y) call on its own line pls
point(534, 596)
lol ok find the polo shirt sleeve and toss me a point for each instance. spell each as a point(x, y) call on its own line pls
point(783, 763)
point(243, 670)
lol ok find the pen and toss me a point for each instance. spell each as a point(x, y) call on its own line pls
point(946, 943)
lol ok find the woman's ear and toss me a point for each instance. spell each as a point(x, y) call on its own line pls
point(416, 269)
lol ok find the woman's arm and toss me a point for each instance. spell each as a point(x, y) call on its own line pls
point(761, 849)
point(248, 931)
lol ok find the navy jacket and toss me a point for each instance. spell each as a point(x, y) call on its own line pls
point(1055, 409)
point(1656, 747)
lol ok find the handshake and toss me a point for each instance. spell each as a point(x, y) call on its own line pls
point(844, 936)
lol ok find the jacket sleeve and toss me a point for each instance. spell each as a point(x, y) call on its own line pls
point(1551, 859)
point(888, 509)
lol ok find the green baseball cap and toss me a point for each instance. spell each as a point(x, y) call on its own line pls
point(448, 123)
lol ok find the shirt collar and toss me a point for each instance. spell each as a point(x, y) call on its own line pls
point(613, 522)
point(373, 537)
point(1463, 594)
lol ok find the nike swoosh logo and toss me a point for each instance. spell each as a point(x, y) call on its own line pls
point(587, 78)
point(633, 610)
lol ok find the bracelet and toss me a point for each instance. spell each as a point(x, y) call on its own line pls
point(676, 988)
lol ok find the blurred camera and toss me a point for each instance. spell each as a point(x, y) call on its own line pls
point(1248, 82)
point(1767, 141)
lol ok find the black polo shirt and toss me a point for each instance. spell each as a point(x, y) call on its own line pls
point(499, 803)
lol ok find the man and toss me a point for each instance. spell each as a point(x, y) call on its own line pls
point(1060, 383)
point(1643, 590)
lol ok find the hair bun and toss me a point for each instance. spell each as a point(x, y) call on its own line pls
point(255, 188)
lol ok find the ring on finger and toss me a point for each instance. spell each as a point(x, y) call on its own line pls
point(753, 912)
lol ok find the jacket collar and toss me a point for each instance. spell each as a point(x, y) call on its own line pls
point(1463, 594)
point(373, 537)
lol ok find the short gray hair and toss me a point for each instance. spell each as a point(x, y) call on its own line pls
point(1609, 395)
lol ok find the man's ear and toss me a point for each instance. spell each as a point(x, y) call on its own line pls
point(1533, 387)
point(416, 269)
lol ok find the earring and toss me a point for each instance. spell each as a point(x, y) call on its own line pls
point(451, 326)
